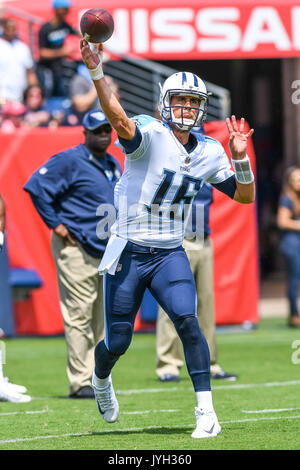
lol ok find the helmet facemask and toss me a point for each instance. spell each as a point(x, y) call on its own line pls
point(181, 122)
point(190, 86)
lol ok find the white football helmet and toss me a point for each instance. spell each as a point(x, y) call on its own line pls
point(187, 84)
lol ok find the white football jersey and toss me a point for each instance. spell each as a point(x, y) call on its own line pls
point(153, 197)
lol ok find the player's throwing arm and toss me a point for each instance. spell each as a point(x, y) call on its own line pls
point(111, 107)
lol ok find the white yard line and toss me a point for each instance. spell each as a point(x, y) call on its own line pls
point(25, 412)
point(214, 387)
point(148, 411)
point(167, 389)
point(275, 410)
point(160, 390)
point(265, 418)
point(136, 429)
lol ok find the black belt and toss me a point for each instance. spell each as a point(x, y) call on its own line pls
point(134, 248)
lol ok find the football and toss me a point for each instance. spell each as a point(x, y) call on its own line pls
point(96, 25)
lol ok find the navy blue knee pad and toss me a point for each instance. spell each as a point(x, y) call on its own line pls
point(119, 339)
point(188, 329)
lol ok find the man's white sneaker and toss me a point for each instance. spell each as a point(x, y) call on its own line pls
point(107, 403)
point(7, 394)
point(14, 387)
point(207, 424)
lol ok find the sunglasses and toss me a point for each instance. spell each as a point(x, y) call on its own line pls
point(105, 128)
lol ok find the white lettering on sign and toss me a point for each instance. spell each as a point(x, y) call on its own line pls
point(120, 40)
point(215, 22)
point(265, 27)
point(188, 31)
point(140, 31)
point(171, 23)
point(296, 27)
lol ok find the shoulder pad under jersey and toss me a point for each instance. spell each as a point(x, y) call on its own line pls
point(142, 120)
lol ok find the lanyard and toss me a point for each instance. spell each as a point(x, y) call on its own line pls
point(108, 173)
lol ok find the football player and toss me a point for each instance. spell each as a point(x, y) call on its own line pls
point(8, 390)
point(165, 166)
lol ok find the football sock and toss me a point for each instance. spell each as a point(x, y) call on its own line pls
point(204, 400)
point(100, 382)
point(196, 352)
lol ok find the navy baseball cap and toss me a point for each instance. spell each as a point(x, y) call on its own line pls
point(61, 4)
point(94, 119)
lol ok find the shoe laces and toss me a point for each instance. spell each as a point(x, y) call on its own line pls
point(204, 417)
point(105, 396)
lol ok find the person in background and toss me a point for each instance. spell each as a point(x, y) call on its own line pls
point(11, 117)
point(288, 220)
point(8, 391)
point(2, 222)
point(53, 51)
point(199, 250)
point(16, 64)
point(67, 192)
point(36, 114)
point(83, 95)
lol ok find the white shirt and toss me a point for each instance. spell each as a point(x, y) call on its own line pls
point(15, 60)
point(160, 179)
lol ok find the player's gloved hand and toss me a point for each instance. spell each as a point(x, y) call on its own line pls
point(92, 55)
point(1, 240)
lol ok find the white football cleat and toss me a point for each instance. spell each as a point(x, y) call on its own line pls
point(207, 424)
point(7, 394)
point(14, 387)
point(107, 403)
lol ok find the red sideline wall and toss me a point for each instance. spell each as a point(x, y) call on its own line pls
point(233, 227)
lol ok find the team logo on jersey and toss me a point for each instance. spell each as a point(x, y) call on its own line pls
point(185, 168)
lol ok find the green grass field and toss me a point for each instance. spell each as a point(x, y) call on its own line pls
point(261, 410)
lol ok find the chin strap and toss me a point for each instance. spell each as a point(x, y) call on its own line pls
point(243, 170)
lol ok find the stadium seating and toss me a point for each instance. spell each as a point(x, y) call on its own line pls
point(22, 282)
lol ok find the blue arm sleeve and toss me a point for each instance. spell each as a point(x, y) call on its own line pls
point(46, 211)
point(131, 145)
point(227, 187)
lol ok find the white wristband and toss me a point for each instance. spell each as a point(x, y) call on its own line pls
point(1, 240)
point(243, 171)
point(96, 73)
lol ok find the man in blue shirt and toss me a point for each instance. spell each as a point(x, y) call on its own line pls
point(198, 247)
point(69, 192)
